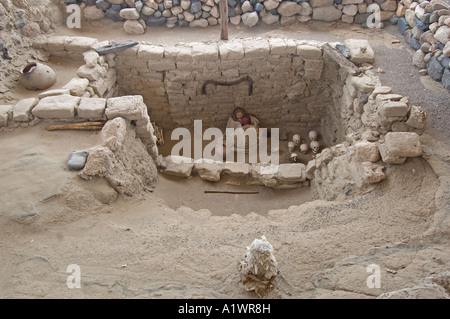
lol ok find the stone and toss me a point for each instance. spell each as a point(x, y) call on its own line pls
point(130, 107)
point(93, 13)
point(129, 14)
point(443, 34)
point(350, 10)
point(347, 2)
point(91, 58)
point(446, 50)
point(306, 9)
point(196, 7)
point(250, 18)
point(435, 69)
point(444, 60)
point(271, 4)
point(287, 9)
point(373, 173)
point(153, 21)
point(446, 79)
point(328, 14)
point(185, 4)
point(403, 144)
point(292, 172)
point(56, 107)
point(4, 114)
point(113, 13)
point(360, 51)
point(389, 158)
point(113, 133)
point(236, 169)
point(363, 83)
point(77, 86)
point(418, 59)
point(367, 151)
point(92, 108)
point(133, 27)
point(394, 108)
point(246, 7)
point(22, 109)
point(231, 51)
point(146, 10)
point(103, 5)
point(307, 51)
point(320, 3)
point(77, 160)
point(150, 52)
point(417, 117)
point(179, 166)
point(53, 93)
point(208, 169)
point(199, 23)
point(270, 18)
point(92, 74)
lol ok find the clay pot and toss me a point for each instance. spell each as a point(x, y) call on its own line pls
point(37, 76)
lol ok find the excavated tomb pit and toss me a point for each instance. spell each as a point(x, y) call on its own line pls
point(293, 85)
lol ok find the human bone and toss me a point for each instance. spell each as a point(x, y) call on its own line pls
point(259, 267)
point(304, 148)
point(294, 157)
point(291, 147)
point(315, 147)
point(313, 136)
point(296, 139)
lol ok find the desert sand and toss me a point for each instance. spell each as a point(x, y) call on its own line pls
point(178, 242)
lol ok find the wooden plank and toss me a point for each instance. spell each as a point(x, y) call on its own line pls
point(224, 19)
point(343, 62)
point(231, 192)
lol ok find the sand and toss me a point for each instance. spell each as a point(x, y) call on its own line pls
point(178, 242)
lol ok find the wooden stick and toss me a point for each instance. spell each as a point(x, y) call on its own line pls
point(230, 192)
point(224, 19)
point(89, 126)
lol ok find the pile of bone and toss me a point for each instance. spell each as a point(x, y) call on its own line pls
point(426, 28)
point(138, 14)
point(303, 146)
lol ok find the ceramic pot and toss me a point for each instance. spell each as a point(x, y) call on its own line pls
point(37, 76)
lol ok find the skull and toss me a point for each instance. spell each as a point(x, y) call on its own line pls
point(291, 147)
point(294, 157)
point(296, 139)
point(304, 148)
point(313, 136)
point(315, 146)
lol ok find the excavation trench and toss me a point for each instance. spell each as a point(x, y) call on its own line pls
point(285, 88)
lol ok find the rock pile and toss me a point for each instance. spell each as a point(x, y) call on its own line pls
point(137, 15)
point(426, 28)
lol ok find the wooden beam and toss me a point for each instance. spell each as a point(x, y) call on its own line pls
point(85, 126)
point(224, 19)
point(231, 192)
point(343, 62)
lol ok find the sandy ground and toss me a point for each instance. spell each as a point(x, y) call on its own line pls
point(178, 242)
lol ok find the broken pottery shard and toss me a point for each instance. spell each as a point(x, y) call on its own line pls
point(77, 160)
point(118, 46)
